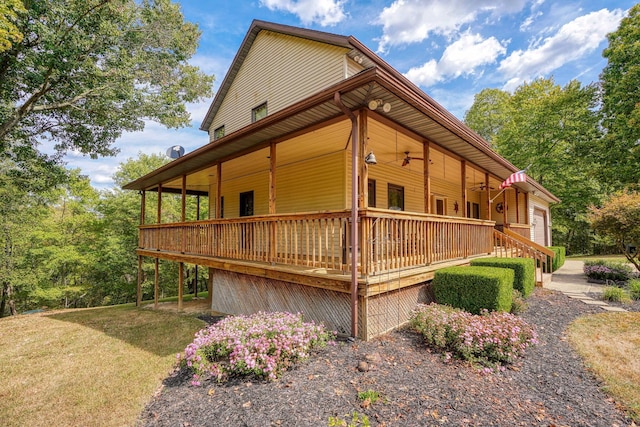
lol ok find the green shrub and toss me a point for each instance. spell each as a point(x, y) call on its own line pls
point(634, 288)
point(524, 271)
point(558, 259)
point(616, 294)
point(474, 288)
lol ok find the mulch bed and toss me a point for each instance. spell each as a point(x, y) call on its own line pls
point(549, 387)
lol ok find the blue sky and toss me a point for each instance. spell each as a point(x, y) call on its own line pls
point(452, 49)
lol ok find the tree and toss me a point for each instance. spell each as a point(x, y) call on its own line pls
point(551, 128)
point(84, 71)
point(619, 219)
point(619, 152)
point(9, 32)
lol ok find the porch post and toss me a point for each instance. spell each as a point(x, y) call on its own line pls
point(272, 178)
point(198, 207)
point(463, 177)
point(363, 190)
point(517, 207)
point(210, 287)
point(159, 216)
point(505, 217)
point(143, 205)
point(139, 287)
point(354, 212)
point(183, 214)
point(426, 154)
point(156, 283)
point(488, 191)
point(180, 284)
point(218, 190)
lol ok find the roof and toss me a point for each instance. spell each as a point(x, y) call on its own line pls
point(411, 108)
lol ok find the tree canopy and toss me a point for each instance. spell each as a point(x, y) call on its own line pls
point(619, 153)
point(75, 74)
point(551, 128)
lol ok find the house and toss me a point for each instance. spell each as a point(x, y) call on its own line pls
point(336, 188)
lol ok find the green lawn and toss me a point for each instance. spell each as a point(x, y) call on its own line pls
point(88, 367)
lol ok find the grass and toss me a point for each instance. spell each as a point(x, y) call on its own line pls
point(619, 258)
point(610, 343)
point(89, 367)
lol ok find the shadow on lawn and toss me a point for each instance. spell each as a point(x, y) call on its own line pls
point(160, 333)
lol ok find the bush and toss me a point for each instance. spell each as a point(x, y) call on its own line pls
point(524, 271)
point(488, 339)
point(518, 304)
point(261, 345)
point(634, 288)
point(474, 288)
point(616, 294)
point(558, 259)
point(608, 270)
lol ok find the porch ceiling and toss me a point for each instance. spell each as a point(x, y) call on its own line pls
point(410, 108)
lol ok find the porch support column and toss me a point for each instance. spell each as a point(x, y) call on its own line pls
point(180, 284)
point(272, 178)
point(354, 212)
point(139, 287)
point(517, 207)
point(210, 287)
point(505, 216)
point(488, 191)
point(463, 177)
point(363, 191)
point(156, 281)
point(183, 213)
point(183, 200)
point(218, 190)
point(143, 205)
point(159, 216)
point(273, 232)
point(198, 207)
point(426, 154)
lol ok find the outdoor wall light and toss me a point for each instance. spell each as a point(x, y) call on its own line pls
point(370, 159)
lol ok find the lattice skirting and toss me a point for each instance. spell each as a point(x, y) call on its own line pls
point(235, 293)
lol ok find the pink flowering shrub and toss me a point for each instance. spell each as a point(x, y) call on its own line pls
point(262, 345)
point(489, 338)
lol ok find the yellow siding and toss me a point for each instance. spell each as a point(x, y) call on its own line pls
point(280, 70)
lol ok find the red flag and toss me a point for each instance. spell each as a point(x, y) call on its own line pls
point(519, 176)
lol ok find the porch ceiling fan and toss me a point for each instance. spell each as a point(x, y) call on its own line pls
point(482, 186)
point(407, 158)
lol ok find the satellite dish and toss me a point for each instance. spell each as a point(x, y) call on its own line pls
point(175, 151)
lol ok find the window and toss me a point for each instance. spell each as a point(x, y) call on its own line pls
point(372, 193)
point(259, 112)
point(218, 133)
point(473, 210)
point(396, 197)
point(246, 203)
point(440, 206)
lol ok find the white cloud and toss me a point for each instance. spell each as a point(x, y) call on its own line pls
point(324, 12)
point(411, 21)
point(574, 40)
point(463, 57)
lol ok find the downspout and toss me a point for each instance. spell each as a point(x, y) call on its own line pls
point(354, 212)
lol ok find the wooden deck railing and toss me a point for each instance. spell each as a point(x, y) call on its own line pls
point(312, 240)
point(389, 240)
point(523, 230)
point(512, 244)
point(398, 240)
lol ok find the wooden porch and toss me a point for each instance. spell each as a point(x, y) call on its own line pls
point(314, 248)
